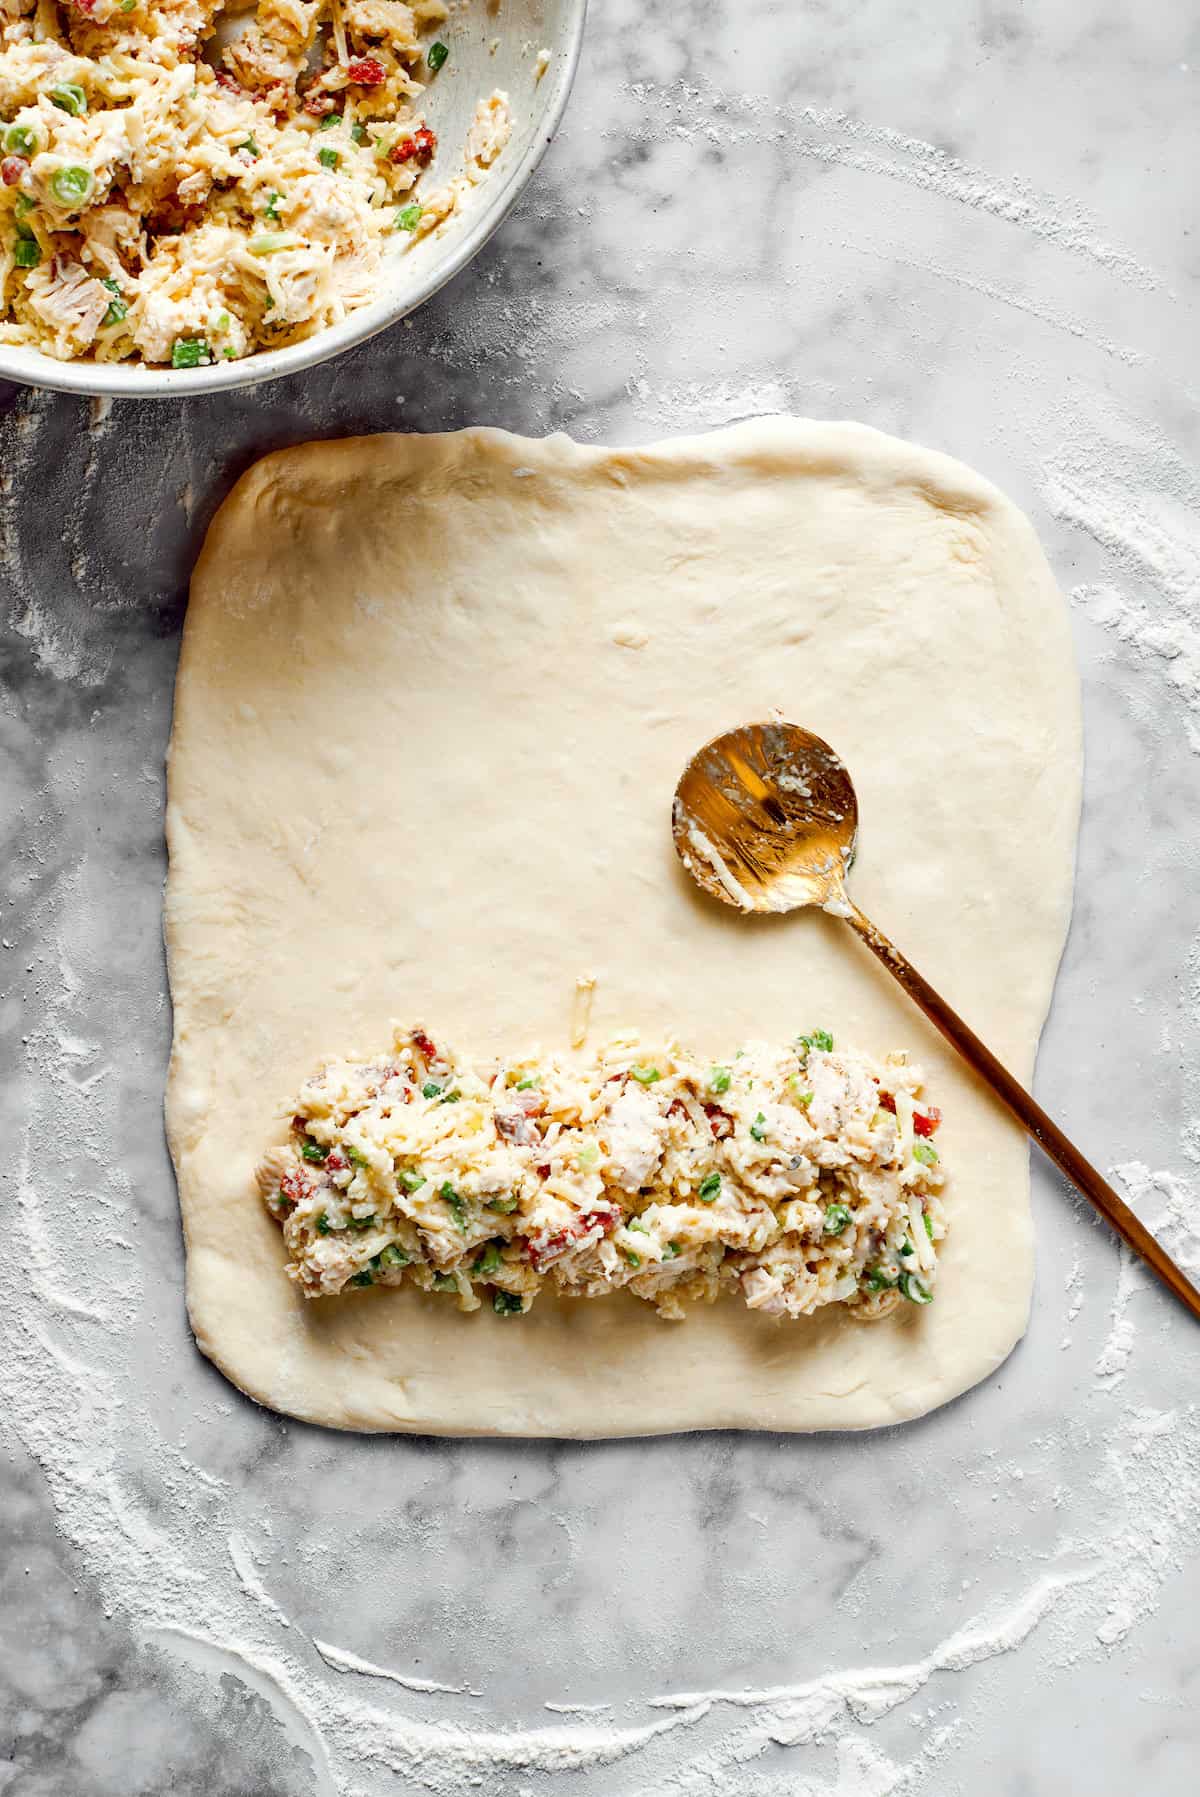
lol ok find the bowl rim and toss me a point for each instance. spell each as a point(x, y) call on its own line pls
point(122, 380)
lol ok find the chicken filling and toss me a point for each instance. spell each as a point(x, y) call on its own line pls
point(789, 1177)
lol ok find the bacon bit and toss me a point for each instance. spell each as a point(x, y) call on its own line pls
point(366, 71)
point(86, 7)
point(677, 1108)
point(11, 169)
point(515, 1126)
point(719, 1121)
point(887, 1102)
point(318, 103)
point(925, 1122)
point(231, 84)
point(300, 1124)
point(544, 1172)
point(335, 1161)
point(421, 1041)
point(605, 1220)
point(418, 148)
point(295, 1185)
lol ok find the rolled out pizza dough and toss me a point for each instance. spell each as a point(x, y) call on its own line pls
point(433, 699)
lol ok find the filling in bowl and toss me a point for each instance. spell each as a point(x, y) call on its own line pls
point(180, 187)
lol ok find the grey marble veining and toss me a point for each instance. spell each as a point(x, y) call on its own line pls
point(969, 226)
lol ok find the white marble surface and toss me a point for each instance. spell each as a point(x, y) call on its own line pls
point(971, 225)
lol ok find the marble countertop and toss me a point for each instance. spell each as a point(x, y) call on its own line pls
point(972, 226)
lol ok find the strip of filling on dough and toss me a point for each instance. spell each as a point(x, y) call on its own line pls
point(795, 1177)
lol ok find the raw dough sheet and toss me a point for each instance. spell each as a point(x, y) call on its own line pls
point(433, 699)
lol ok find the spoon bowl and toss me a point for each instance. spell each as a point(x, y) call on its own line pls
point(765, 818)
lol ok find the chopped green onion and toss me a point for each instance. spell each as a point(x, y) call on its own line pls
point(458, 1204)
point(636, 1223)
point(222, 322)
point(801, 1098)
point(503, 1205)
point(507, 1304)
point(671, 1251)
point(407, 219)
point(128, 5)
point(906, 1247)
point(323, 1223)
point(69, 97)
point(329, 121)
point(20, 140)
point(430, 1089)
point(876, 1280)
point(926, 1153)
point(391, 1256)
point(524, 1085)
point(588, 1155)
point(272, 208)
point(718, 1079)
point(328, 158)
point(635, 1260)
point(366, 1277)
point(362, 1223)
point(269, 243)
point(25, 206)
point(436, 55)
point(309, 1151)
point(819, 1039)
point(928, 1225)
point(488, 1261)
point(837, 1219)
point(189, 352)
point(445, 1282)
point(710, 1185)
point(450, 1097)
point(249, 145)
point(412, 1182)
point(359, 133)
point(71, 186)
point(26, 253)
point(914, 1289)
point(117, 313)
point(757, 1130)
point(229, 353)
point(355, 1156)
point(645, 1076)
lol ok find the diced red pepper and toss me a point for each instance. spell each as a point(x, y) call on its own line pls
point(418, 148)
point(544, 1172)
point(366, 71)
point(925, 1122)
point(422, 1043)
point(335, 1161)
point(318, 103)
point(887, 1102)
point(230, 83)
point(677, 1108)
point(11, 170)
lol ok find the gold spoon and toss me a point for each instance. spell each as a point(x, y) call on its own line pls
point(765, 818)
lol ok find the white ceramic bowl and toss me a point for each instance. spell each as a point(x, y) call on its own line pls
point(489, 48)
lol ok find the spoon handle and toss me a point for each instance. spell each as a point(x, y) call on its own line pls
point(1028, 1113)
